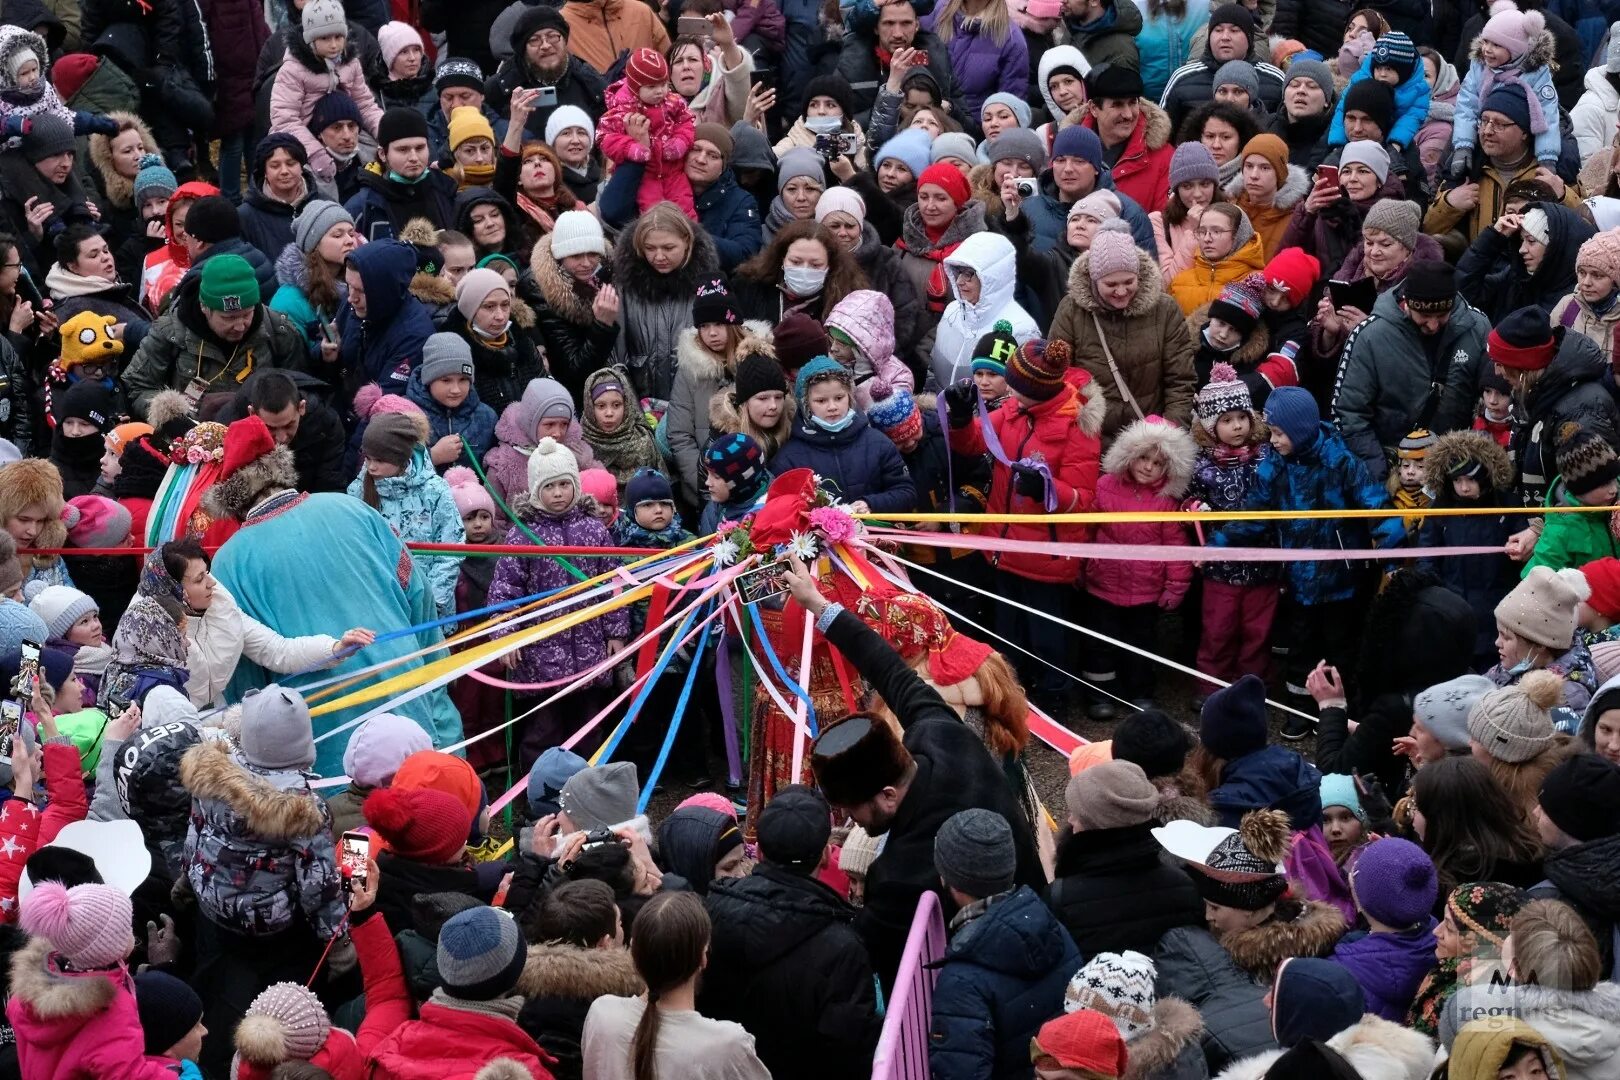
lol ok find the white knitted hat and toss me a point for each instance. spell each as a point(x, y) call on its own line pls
point(576, 232)
point(550, 461)
point(1118, 985)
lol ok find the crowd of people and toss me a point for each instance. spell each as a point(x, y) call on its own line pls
point(303, 303)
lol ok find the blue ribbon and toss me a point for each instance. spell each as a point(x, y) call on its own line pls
point(781, 673)
point(640, 699)
point(674, 722)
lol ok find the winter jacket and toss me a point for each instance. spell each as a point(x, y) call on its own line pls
point(1434, 137)
point(259, 853)
point(267, 222)
point(1387, 385)
point(24, 828)
point(1494, 280)
point(655, 308)
point(1576, 314)
point(302, 80)
point(1411, 106)
point(578, 648)
point(1389, 967)
point(1270, 222)
point(1307, 138)
point(1584, 874)
point(982, 67)
point(1442, 218)
point(885, 273)
point(1225, 485)
point(1482, 580)
point(1203, 282)
point(1191, 965)
point(600, 30)
point(1582, 1025)
point(455, 1040)
point(1595, 114)
point(689, 421)
point(867, 318)
point(997, 981)
point(1570, 540)
point(580, 85)
point(180, 348)
point(1164, 44)
point(1372, 1047)
point(769, 929)
point(924, 258)
point(994, 260)
point(1171, 1049)
point(1574, 387)
point(418, 507)
point(472, 419)
point(1272, 778)
point(291, 298)
point(1048, 214)
point(384, 205)
point(731, 217)
point(385, 346)
point(1192, 84)
point(1117, 889)
point(857, 462)
point(1142, 170)
point(1148, 340)
point(1111, 37)
point(508, 464)
point(466, 27)
point(858, 61)
point(222, 635)
point(1177, 244)
point(576, 344)
point(558, 984)
point(1330, 343)
point(500, 372)
point(1065, 432)
point(1129, 582)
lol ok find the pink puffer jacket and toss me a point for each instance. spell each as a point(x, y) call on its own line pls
point(866, 317)
point(1128, 583)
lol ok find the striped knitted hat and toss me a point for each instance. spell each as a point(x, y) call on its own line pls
point(1416, 445)
point(1036, 369)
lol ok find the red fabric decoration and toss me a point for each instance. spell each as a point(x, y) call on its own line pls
point(786, 510)
point(957, 659)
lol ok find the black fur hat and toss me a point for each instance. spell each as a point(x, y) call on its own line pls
point(856, 758)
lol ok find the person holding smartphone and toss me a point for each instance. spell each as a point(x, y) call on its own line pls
point(542, 60)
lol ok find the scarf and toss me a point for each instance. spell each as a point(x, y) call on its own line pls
point(974, 910)
point(627, 532)
point(540, 215)
point(631, 443)
point(148, 636)
point(505, 1008)
point(476, 175)
point(62, 282)
point(1231, 457)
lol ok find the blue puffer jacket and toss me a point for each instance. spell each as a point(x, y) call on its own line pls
point(1411, 106)
point(1325, 476)
point(1048, 216)
point(1271, 778)
point(472, 419)
point(1164, 44)
point(419, 508)
point(385, 346)
point(1002, 977)
point(858, 462)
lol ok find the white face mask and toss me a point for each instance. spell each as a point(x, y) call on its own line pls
point(823, 125)
point(802, 280)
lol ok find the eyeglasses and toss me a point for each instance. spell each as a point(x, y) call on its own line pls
point(1211, 233)
point(548, 37)
point(1495, 125)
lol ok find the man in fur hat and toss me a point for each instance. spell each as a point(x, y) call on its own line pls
point(301, 561)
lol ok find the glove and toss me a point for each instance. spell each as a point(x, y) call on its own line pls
point(1028, 482)
point(102, 125)
point(960, 401)
point(1462, 163)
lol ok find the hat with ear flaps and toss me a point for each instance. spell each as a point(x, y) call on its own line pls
point(856, 758)
point(253, 465)
point(35, 482)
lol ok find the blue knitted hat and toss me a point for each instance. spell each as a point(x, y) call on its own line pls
point(154, 180)
point(910, 147)
point(891, 412)
point(546, 779)
point(818, 368)
point(481, 954)
point(1339, 789)
point(647, 485)
point(1294, 411)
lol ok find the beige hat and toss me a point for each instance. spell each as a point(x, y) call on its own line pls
point(859, 850)
point(1514, 723)
point(1113, 795)
point(1541, 609)
point(551, 460)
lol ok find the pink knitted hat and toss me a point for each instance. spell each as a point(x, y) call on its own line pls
point(369, 401)
point(88, 925)
point(1513, 29)
point(711, 800)
point(600, 485)
point(1112, 252)
point(1601, 253)
point(393, 38)
point(285, 1022)
point(468, 492)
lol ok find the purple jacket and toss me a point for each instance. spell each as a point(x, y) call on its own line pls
point(983, 68)
point(583, 646)
point(1389, 967)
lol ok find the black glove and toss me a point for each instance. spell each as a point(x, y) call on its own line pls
point(1028, 482)
point(961, 401)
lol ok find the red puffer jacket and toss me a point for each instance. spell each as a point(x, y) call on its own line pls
point(1065, 432)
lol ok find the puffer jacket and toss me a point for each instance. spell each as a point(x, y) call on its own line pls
point(1389, 967)
point(472, 419)
point(995, 261)
point(259, 853)
point(655, 309)
point(1065, 432)
point(1127, 582)
point(419, 508)
point(600, 30)
point(1570, 540)
point(998, 981)
point(1482, 580)
point(1177, 244)
point(291, 299)
point(23, 831)
point(1165, 44)
point(1271, 221)
point(302, 80)
point(857, 462)
point(1582, 1025)
point(1203, 282)
point(1593, 117)
point(1574, 387)
point(1149, 342)
point(982, 67)
point(689, 421)
point(1111, 37)
point(1272, 778)
point(507, 465)
point(1575, 667)
point(1142, 170)
point(1192, 966)
point(383, 206)
point(1224, 485)
point(867, 317)
point(1411, 106)
point(575, 343)
point(500, 372)
point(222, 635)
point(385, 346)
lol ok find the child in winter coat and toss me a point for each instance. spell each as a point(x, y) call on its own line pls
point(1535, 630)
point(1407, 481)
point(320, 60)
point(546, 411)
point(1588, 468)
point(1392, 61)
point(442, 387)
point(649, 520)
point(551, 511)
point(735, 474)
point(861, 327)
point(833, 438)
point(171, 1021)
point(1147, 469)
point(615, 429)
point(645, 91)
point(982, 274)
point(398, 480)
point(1239, 598)
point(479, 703)
point(1395, 886)
point(1513, 47)
point(1231, 330)
point(1495, 415)
point(758, 404)
point(1597, 619)
point(1434, 137)
point(26, 91)
point(1344, 821)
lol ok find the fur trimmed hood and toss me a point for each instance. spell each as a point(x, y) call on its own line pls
point(234, 496)
point(1455, 447)
point(1294, 187)
point(1149, 285)
point(701, 364)
point(554, 286)
point(437, 292)
point(119, 190)
point(1308, 928)
point(35, 482)
point(1093, 406)
point(1175, 1024)
point(554, 969)
point(1156, 132)
point(1543, 48)
point(56, 995)
point(726, 416)
point(1374, 1047)
point(638, 282)
point(1253, 349)
point(504, 1069)
point(208, 771)
point(1173, 442)
point(290, 267)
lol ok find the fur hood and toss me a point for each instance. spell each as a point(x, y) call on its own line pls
point(554, 286)
point(1308, 928)
point(290, 267)
point(1455, 447)
point(701, 364)
point(30, 482)
point(557, 970)
point(119, 191)
point(1542, 46)
point(504, 1069)
point(969, 219)
point(1254, 348)
point(1294, 187)
point(639, 283)
point(1149, 287)
point(1175, 1024)
point(234, 496)
point(300, 50)
point(208, 772)
point(1156, 132)
point(1374, 1047)
point(1172, 441)
point(56, 995)
point(437, 293)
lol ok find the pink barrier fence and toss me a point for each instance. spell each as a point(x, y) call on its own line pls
point(902, 1051)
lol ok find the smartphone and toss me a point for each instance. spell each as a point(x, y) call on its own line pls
point(354, 849)
point(693, 26)
point(1330, 173)
point(762, 583)
point(1360, 294)
point(10, 724)
point(22, 687)
point(547, 98)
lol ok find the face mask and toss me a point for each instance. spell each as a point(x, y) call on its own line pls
point(398, 179)
point(823, 125)
point(487, 336)
point(344, 158)
point(803, 281)
point(834, 425)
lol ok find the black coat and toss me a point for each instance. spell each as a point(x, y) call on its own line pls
point(1492, 277)
point(558, 984)
point(321, 441)
point(581, 85)
point(786, 963)
point(1116, 889)
point(1575, 387)
point(465, 24)
point(954, 772)
point(1192, 966)
point(403, 879)
point(499, 375)
point(267, 223)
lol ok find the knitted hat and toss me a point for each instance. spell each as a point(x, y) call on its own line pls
point(60, 606)
point(1233, 15)
point(819, 369)
point(1118, 985)
point(950, 180)
point(48, 135)
point(212, 219)
point(481, 950)
point(715, 304)
point(1368, 153)
point(91, 401)
point(1244, 870)
point(419, 823)
point(1509, 99)
point(1121, 82)
point(1014, 104)
point(312, 223)
point(1113, 795)
point(1394, 882)
point(1293, 411)
point(1586, 461)
point(996, 349)
point(1601, 253)
point(469, 494)
point(228, 285)
point(1319, 73)
point(466, 123)
point(1239, 73)
point(575, 233)
point(1233, 720)
point(1085, 1042)
point(1540, 609)
point(1513, 30)
point(154, 180)
point(647, 486)
point(1238, 305)
point(798, 339)
point(1514, 724)
point(564, 117)
point(858, 851)
point(276, 731)
point(1375, 100)
point(800, 161)
point(1313, 999)
point(1080, 142)
point(1339, 789)
point(473, 289)
point(794, 828)
point(1193, 161)
point(600, 485)
point(1101, 206)
point(1294, 272)
point(87, 925)
point(1535, 225)
point(322, 18)
point(168, 1009)
point(646, 67)
point(1153, 741)
point(842, 200)
point(1603, 586)
point(895, 414)
point(759, 374)
point(1430, 286)
point(1581, 795)
point(1395, 50)
point(1522, 340)
point(286, 1022)
point(403, 123)
point(1019, 144)
point(719, 136)
point(443, 355)
point(601, 797)
point(1112, 252)
point(380, 745)
point(95, 521)
point(1397, 217)
point(1036, 370)
point(552, 770)
point(551, 460)
point(954, 145)
point(394, 38)
point(1224, 393)
point(974, 853)
point(911, 148)
point(738, 460)
point(391, 438)
point(332, 108)
point(1415, 445)
point(18, 624)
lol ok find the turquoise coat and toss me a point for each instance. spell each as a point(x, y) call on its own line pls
point(417, 505)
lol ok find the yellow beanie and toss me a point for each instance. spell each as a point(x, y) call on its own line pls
point(466, 123)
point(87, 339)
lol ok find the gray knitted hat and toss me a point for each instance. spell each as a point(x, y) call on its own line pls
point(1443, 709)
point(315, 220)
point(601, 797)
point(481, 954)
point(974, 853)
point(445, 354)
point(1514, 724)
point(276, 732)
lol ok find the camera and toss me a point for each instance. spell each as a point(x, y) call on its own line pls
point(1027, 186)
point(837, 144)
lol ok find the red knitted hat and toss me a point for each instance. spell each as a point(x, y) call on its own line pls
point(1083, 1039)
point(1603, 576)
point(71, 72)
point(1294, 272)
point(949, 179)
point(246, 441)
point(419, 823)
point(646, 67)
